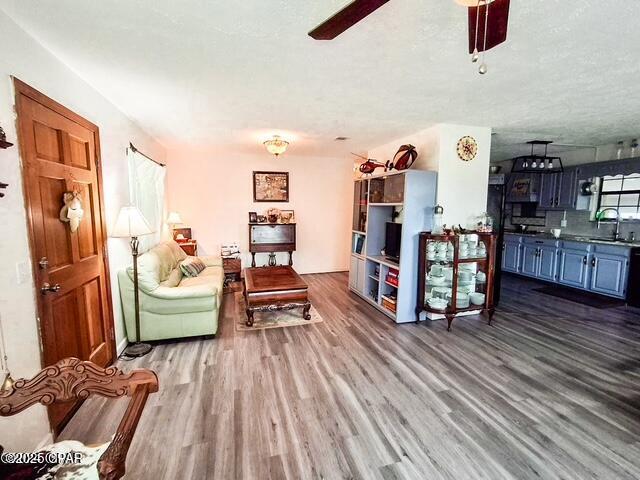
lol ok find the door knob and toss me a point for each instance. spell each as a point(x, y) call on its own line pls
point(46, 288)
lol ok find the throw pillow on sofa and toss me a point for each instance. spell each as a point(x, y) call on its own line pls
point(192, 266)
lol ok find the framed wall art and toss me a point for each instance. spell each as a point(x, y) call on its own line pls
point(270, 186)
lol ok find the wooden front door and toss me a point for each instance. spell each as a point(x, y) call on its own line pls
point(60, 153)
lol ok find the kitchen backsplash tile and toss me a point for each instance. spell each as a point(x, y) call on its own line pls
point(578, 223)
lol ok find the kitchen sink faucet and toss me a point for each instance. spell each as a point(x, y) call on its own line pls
point(616, 232)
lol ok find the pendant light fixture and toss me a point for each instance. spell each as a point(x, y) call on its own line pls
point(276, 145)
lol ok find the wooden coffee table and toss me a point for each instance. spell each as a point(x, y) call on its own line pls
point(267, 289)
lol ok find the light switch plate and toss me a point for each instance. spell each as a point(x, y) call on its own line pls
point(563, 223)
point(23, 272)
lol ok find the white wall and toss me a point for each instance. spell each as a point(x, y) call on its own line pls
point(24, 58)
point(213, 192)
point(462, 186)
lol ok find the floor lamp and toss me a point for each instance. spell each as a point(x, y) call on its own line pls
point(131, 224)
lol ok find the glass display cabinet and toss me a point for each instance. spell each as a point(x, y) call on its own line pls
point(455, 274)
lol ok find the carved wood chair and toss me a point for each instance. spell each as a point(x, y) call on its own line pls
point(72, 379)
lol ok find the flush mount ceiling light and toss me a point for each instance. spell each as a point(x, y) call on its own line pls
point(276, 145)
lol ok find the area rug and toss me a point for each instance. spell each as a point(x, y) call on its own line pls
point(585, 298)
point(275, 319)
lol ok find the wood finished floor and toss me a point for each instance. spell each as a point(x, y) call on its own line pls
point(551, 391)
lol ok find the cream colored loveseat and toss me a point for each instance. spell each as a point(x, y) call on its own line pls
point(172, 305)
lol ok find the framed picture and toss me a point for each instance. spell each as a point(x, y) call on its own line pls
point(253, 217)
point(287, 216)
point(270, 186)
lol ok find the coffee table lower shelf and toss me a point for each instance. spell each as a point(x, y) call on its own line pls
point(270, 289)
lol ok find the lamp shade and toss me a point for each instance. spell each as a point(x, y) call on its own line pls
point(174, 218)
point(131, 223)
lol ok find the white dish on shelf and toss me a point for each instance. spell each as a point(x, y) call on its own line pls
point(481, 277)
point(437, 303)
point(477, 298)
point(435, 280)
point(466, 288)
point(440, 291)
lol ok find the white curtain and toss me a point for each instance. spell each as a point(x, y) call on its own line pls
point(146, 190)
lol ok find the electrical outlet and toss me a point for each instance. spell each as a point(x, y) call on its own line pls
point(23, 272)
point(563, 223)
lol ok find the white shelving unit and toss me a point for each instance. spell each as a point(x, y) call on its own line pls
point(416, 190)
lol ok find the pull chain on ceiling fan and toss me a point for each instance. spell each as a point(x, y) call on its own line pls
point(483, 66)
point(475, 56)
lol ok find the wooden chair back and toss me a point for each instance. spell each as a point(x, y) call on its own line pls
point(71, 379)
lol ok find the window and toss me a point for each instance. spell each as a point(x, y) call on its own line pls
point(146, 189)
point(621, 192)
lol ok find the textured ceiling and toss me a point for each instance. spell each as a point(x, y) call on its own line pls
point(224, 74)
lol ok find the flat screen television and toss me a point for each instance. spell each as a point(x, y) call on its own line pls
point(393, 233)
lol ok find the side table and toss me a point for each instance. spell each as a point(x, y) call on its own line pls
point(190, 247)
point(232, 270)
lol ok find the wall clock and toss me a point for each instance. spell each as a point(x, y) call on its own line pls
point(467, 148)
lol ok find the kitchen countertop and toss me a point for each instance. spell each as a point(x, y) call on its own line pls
point(576, 238)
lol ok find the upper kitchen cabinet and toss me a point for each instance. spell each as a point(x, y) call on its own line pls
point(568, 190)
point(558, 191)
point(549, 190)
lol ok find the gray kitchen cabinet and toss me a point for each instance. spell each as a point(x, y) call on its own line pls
point(568, 189)
point(511, 255)
point(558, 191)
point(573, 268)
point(529, 265)
point(548, 190)
point(547, 263)
point(609, 274)
point(597, 267)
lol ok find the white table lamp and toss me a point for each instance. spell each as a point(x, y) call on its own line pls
point(174, 218)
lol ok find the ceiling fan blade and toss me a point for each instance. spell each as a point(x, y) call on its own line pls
point(345, 18)
point(497, 25)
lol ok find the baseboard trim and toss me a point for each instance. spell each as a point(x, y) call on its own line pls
point(121, 346)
